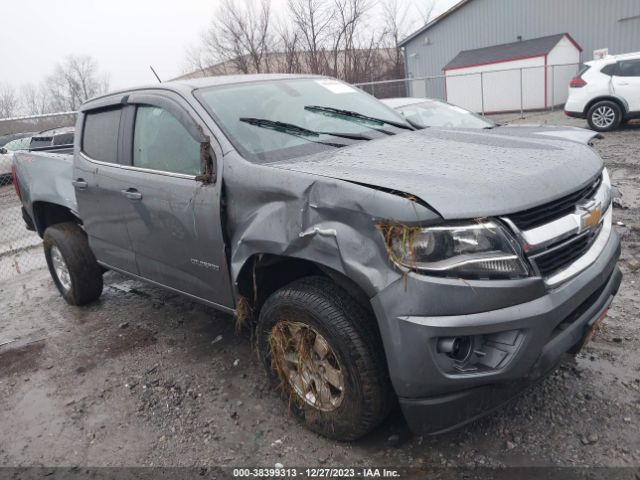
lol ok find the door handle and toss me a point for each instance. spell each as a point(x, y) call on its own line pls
point(80, 183)
point(622, 83)
point(132, 194)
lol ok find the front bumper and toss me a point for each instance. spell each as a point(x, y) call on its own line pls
point(414, 312)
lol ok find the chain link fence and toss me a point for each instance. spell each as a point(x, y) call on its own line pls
point(493, 90)
point(20, 249)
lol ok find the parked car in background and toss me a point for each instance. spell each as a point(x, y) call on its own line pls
point(450, 268)
point(54, 137)
point(606, 92)
point(4, 139)
point(430, 113)
point(20, 142)
point(427, 112)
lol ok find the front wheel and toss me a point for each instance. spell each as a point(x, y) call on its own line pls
point(604, 116)
point(322, 349)
point(72, 264)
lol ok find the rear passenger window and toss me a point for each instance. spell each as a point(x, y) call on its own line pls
point(100, 135)
point(63, 139)
point(629, 68)
point(161, 142)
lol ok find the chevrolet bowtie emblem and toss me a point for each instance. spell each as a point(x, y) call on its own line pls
point(591, 218)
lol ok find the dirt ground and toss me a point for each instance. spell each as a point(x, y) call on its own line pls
point(145, 377)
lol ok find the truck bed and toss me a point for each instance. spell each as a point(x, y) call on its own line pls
point(45, 176)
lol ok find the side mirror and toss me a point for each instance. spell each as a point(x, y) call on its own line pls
point(3, 151)
point(207, 159)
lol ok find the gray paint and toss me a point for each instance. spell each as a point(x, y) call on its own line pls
point(593, 24)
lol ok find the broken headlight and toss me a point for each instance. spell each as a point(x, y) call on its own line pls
point(481, 249)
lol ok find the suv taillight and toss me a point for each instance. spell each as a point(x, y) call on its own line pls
point(14, 179)
point(577, 82)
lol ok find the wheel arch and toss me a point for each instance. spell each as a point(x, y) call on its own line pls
point(262, 274)
point(619, 101)
point(46, 214)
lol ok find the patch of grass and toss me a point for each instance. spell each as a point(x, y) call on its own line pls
point(287, 337)
point(404, 235)
point(244, 313)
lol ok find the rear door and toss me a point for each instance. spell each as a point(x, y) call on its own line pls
point(99, 184)
point(626, 83)
point(175, 227)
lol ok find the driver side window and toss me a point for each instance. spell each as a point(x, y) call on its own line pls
point(161, 142)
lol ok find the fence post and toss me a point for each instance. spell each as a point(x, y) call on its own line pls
point(373, 89)
point(553, 87)
point(482, 91)
point(521, 96)
point(426, 87)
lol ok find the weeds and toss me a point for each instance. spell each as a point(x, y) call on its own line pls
point(286, 339)
point(244, 313)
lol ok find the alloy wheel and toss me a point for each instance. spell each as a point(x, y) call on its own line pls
point(304, 359)
point(603, 116)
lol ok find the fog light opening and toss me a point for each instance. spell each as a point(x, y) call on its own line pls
point(458, 348)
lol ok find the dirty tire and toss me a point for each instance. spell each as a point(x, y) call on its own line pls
point(84, 282)
point(351, 334)
point(604, 116)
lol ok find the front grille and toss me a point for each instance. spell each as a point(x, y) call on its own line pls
point(560, 256)
point(536, 216)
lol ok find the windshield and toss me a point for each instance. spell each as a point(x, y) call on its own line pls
point(432, 113)
point(18, 144)
point(280, 119)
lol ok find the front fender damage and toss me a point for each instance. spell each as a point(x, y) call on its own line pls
point(329, 222)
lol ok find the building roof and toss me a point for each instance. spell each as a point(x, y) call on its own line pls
point(438, 19)
point(505, 52)
point(299, 62)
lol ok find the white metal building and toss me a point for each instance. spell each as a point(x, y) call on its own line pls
point(529, 74)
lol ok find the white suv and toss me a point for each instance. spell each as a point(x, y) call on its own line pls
point(606, 92)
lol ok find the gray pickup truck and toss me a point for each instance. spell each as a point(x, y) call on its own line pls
point(446, 268)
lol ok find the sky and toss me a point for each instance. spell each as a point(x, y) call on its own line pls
point(124, 36)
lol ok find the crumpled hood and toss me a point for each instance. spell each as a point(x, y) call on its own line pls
point(465, 173)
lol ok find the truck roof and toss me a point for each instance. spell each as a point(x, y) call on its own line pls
point(189, 85)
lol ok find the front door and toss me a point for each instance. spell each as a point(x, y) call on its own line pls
point(175, 227)
point(626, 83)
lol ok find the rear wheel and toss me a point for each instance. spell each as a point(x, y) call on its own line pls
point(604, 116)
point(72, 264)
point(321, 348)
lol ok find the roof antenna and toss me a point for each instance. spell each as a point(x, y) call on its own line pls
point(154, 72)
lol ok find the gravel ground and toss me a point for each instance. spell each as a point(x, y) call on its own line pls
point(145, 377)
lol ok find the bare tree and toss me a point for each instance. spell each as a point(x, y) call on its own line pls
point(289, 46)
point(333, 37)
point(426, 9)
point(350, 42)
point(240, 33)
point(35, 100)
point(9, 102)
point(312, 18)
point(396, 23)
point(74, 81)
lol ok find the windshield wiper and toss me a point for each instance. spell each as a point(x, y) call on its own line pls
point(299, 131)
point(357, 116)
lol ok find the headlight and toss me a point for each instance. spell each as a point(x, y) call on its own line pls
point(606, 191)
point(482, 249)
